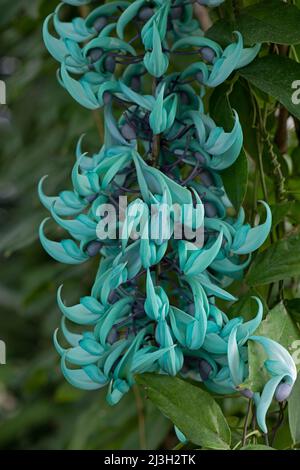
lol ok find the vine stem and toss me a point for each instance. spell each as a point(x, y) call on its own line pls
point(178, 446)
point(255, 433)
point(141, 417)
point(247, 418)
point(262, 120)
point(278, 424)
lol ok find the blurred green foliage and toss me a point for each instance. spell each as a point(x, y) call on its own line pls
point(38, 132)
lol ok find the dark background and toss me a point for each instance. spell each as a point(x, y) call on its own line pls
point(39, 129)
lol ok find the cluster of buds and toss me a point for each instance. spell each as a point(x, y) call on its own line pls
point(153, 305)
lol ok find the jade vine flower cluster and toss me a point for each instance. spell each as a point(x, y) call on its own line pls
point(153, 305)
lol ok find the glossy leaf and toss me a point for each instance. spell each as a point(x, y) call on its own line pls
point(279, 261)
point(275, 75)
point(184, 403)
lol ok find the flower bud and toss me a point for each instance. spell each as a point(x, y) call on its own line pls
point(210, 209)
point(176, 12)
point(113, 297)
point(247, 393)
point(206, 178)
point(106, 97)
point(207, 54)
point(100, 23)
point(136, 83)
point(91, 197)
point(128, 132)
point(110, 64)
point(199, 77)
point(95, 54)
point(93, 248)
point(113, 335)
point(145, 13)
point(184, 97)
point(199, 157)
point(204, 369)
point(282, 392)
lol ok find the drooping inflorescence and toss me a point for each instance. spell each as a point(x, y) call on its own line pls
point(152, 205)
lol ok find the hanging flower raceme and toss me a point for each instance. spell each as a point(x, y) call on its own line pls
point(152, 205)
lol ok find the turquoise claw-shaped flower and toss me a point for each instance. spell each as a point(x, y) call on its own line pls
point(221, 62)
point(156, 61)
point(87, 312)
point(248, 239)
point(163, 113)
point(195, 261)
point(66, 251)
point(75, 30)
point(81, 91)
point(68, 203)
point(189, 330)
point(282, 369)
point(100, 16)
point(157, 302)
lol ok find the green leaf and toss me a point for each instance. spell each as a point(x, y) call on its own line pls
point(275, 76)
point(242, 101)
point(280, 211)
point(257, 447)
point(280, 261)
point(278, 326)
point(267, 21)
point(191, 409)
point(294, 412)
point(235, 180)
point(258, 375)
point(220, 108)
point(293, 307)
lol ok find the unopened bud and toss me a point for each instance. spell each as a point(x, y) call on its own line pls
point(199, 157)
point(128, 132)
point(110, 64)
point(247, 393)
point(210, 209)
point(136, 83)
point(204, 369)
point(145, 13)
point(100, 23)
point(208, 54)
point(93, 248)
point(283, 391)
point(91, 197)
point(106, 97)
point(113, 335)
point(199, 77)
point(206, 178)
point(184, 97)
point(95, 54)
point(176, 12)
